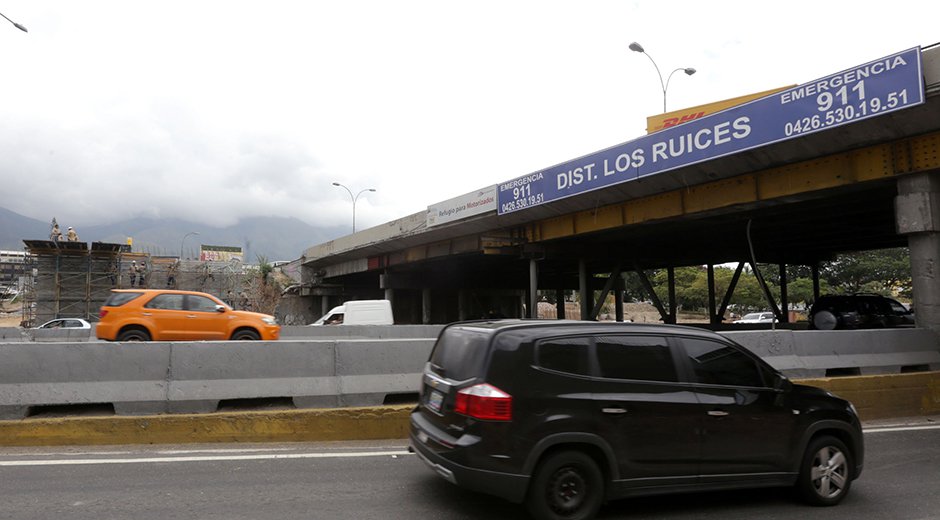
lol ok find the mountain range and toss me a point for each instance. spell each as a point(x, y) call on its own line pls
point(274, 238)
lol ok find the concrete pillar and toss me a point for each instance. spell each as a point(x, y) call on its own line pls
point(560, 303)
point(461, 305)
point(917, 213)
point(587, 295)
point(324, 305)
point(426, 306)
point(533, 289)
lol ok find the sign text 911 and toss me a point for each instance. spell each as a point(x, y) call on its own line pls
point(872, 89)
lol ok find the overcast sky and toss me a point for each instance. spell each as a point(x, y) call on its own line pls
point(215, 110)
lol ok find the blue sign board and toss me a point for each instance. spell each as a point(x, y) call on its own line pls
point(875, 88)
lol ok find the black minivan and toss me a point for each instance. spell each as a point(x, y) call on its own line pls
point(564, 415)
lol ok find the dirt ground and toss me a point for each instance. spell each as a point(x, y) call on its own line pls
point(10, 314)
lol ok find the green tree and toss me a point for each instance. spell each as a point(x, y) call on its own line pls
point(884, 271)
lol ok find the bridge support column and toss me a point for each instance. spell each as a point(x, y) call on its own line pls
point(533, 289)
point(425, 306)
point(587, 295)
point(462, 305)
point(560, 303)
point(917, 211)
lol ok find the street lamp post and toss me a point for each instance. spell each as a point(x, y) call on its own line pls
point(184, 240)
point(18, 26)
point(636, 47)
point(353, 199)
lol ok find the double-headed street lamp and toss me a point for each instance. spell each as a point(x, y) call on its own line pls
point(18, 26)
point(636, 47)
point(183, 240)
point(354, 199)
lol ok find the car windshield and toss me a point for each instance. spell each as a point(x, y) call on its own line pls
point(752, 316)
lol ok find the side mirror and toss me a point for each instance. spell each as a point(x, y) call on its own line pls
point(220, 308)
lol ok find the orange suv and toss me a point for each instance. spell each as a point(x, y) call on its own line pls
point(164, 315)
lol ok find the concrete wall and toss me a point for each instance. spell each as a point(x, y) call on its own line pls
point(195, 377)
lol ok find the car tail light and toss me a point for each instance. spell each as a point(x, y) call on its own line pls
point(102, 313)
point(484, 401)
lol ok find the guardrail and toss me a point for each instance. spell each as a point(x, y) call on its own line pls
point(196, 377)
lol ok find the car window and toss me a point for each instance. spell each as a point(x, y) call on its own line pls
point(166, 301)
point(897, 307)
point(459, 354)
point(716, 363)
point(645, 358)
point(569, 355)
point(73, 323)
point(201, 304)
point(118, 299)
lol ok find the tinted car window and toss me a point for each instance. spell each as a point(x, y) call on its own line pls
point(716, 363)
point(896, 307)
point(201, 304)
point(569, 355)
point(166, 301)
point(635, 357)
point(459, 353)
point(118, 299)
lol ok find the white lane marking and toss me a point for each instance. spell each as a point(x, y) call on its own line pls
point(885, 429)
point(152, 460)
point(206, 450)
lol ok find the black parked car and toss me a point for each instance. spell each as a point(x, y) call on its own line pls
point(858, 311)
point(563, 415)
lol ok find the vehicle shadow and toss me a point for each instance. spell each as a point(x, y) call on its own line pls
point(451, 502)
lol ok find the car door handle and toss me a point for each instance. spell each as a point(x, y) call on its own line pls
point(718, 413)
point(614, 411)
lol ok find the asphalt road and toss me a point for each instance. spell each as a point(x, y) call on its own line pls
point(380, 480)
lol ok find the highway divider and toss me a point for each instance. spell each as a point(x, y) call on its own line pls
point(876, 397)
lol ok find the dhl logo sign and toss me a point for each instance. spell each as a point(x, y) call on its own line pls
point(677, 117)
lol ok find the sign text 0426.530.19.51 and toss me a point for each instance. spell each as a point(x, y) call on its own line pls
point(868, 90)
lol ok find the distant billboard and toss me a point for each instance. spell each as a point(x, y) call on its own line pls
point(219, 253)
point(684, 115)
point(467, 205)
point(872, 89)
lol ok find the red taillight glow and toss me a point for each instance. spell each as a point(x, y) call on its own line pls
point(102, 313)
point(485, 402)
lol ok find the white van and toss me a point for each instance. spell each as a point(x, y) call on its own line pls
point(359, 312)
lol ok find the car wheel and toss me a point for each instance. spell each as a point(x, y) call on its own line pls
point(246, 335)
point(826, 472)
point(133, 335)
point(825, 320)
point(567, 485)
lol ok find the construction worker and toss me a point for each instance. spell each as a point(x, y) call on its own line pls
point(72, 236)
point(132, 271)
point(56, 235)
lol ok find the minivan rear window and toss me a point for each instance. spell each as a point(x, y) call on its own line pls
point(460, 353)
point(120, 298)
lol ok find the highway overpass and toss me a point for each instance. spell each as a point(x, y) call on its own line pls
point(859, 171)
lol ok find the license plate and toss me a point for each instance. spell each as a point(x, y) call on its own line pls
point(435, 400)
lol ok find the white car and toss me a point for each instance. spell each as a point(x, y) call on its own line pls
point(757, 317)
point(65, 323)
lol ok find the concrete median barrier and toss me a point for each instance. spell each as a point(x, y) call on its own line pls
point(132, 377)
point(195, 377)
point(876, 397)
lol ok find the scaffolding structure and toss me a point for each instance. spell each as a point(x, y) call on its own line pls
point(73, 280)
